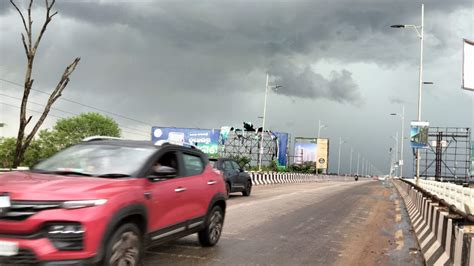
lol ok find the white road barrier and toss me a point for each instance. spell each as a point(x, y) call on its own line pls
point(444, 237)
point(457, 195)
point(267, 178)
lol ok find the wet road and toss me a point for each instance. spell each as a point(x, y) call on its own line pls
point(326, 223)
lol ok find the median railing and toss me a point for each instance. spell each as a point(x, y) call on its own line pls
point(461, 197)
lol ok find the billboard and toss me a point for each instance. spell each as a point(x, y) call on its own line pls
point(419, 135)
point(322, 154)
point(472, 158)
point(468, 65)
point(282, 147)
point(206, 140)
point(305, 150)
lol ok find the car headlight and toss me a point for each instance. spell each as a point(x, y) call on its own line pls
point(77, 204)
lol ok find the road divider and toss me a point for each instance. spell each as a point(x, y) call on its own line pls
point(445, 235)
point(267, 178)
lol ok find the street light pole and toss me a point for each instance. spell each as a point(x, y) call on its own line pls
point(396, 149)
point(418, 158)
point(339, 157)
point(401, 142)
point(350, 164)
point(263, 126)
point(358, 159)
point(420, 84)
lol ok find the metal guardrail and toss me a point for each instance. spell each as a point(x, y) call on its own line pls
point(460, 197)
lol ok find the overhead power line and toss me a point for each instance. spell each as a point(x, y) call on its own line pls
point(71, 113)
point(62, 117)
point(82, 104)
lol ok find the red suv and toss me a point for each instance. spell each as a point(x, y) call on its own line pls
point(104, 201)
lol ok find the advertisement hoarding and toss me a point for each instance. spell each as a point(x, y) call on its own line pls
point(206, 140)
point(305, 151)
point(468, 65)
point(419, 134)
point(322, 153)
point(282, 147)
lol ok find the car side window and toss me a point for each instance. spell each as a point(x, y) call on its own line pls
point(169, 159)
point(228, 166)
point(235, 165)
point(193, 164)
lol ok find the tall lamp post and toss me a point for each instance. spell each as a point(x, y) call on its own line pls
point(358, 160)
point(396, 150)
point(350, 162)
point(339, 158)
point(419, 32)
point(263, 123)
point(402, 117)
point(320, 126)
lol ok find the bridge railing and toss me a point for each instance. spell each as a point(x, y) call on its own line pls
point(461, 197)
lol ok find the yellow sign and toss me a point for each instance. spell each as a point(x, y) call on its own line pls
point(322, 151)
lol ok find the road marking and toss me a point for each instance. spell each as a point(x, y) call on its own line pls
point(182, 256)
point(398, 218)
point(399, 239)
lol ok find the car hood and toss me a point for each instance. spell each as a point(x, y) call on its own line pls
point(34, 186)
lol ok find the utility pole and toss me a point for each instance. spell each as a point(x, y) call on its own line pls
point(358, 159)
point(350, 162)
point(263, 126)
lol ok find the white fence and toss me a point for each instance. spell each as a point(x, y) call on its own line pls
point(457, 195)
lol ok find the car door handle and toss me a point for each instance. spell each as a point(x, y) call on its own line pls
point(180, 189)
point(211, 182)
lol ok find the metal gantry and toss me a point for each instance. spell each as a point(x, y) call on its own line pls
point(448, 156)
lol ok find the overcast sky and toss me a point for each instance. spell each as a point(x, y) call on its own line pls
point(203, 64)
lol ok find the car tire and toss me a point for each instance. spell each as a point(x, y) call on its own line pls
point(248, 189)
point(124, 247)
point(209, 236)
point(227, 189)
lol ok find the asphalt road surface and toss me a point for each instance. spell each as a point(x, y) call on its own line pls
point(324, 223)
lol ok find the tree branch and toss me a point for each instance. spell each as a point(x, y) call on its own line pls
point(52, 98)
point(21, 15)
point(24, 45)
point(46, 22)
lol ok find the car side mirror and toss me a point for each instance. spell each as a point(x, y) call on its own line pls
point(164, 172)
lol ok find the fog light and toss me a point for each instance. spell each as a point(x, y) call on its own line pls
point(67, 236)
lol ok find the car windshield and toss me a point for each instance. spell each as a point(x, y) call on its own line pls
point(97, 160)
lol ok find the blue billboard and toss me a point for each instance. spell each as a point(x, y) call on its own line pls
point(282, 147)
point(206, 140)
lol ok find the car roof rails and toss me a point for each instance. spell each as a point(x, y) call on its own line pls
point(167, 142)
point(93, 138)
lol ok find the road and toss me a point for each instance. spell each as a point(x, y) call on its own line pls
point(324, 223)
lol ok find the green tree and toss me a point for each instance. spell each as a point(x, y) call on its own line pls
point(7, 153)
point(70, 131)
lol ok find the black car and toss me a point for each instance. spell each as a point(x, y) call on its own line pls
point(237, 180)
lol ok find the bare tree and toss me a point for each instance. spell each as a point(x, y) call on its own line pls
point(31, 46)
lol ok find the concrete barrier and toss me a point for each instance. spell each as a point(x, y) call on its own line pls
point(267, 178)
point(444, 237)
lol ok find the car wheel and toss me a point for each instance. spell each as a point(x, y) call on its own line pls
point(227, 188)
point(124, 246)
point(210, 235)
point(248, 189)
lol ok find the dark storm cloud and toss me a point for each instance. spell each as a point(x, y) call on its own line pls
point(396, 100)
point(305, 83)
point(235, 37)
point(203, 44)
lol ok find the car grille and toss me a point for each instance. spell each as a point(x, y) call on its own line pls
point(24, 257)
point(21, 210)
